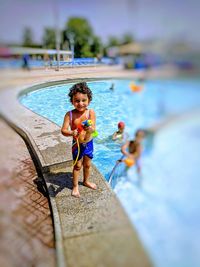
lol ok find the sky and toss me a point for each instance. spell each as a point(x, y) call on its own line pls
point(144, 19)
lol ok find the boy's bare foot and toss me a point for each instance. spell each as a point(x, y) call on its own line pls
point(75, 192)
point(90, 185)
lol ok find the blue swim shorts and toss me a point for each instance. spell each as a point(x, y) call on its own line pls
point(86, 149)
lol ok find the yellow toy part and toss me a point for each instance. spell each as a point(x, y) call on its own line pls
point(89, 122)
point(129, 162)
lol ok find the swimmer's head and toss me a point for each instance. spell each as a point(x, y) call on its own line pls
point(140, 134)
point(121, 125)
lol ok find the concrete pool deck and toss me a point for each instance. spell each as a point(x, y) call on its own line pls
point(93, 230)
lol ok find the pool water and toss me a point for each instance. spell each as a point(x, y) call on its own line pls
point(163, 203)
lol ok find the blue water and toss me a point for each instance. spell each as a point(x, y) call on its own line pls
point(164, 207)
point(164, 204)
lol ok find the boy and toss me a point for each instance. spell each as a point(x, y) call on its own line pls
point(134, 152)
point(82, 146)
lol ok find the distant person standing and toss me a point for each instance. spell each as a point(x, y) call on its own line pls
point(25, 64)
point(50, 61)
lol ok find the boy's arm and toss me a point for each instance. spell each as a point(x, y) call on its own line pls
point(65, 127)
point(92, 128)
point(114, 136)
point(124, 148)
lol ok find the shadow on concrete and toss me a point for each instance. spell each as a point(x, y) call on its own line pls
point(60, 181)
point(41, 187)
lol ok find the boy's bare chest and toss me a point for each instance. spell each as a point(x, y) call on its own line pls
point(78, 119)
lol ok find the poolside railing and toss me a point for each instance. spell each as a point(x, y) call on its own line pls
point(40, 63)
point(116, 172)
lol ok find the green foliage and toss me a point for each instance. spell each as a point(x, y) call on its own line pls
point(96, 46)
point(113, 41)
point(127, 39)
point(85, 51)
point(79, 34)
point(27, 37)
point(80, 28)
point(49, 38)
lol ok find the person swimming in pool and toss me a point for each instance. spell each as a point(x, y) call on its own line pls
point(112, 87)
point(134, 147)
point(120, 134)
point(82, 146)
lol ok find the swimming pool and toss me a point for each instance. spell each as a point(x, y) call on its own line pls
point(164, 207)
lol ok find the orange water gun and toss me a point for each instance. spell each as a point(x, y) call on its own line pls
point(84, 124)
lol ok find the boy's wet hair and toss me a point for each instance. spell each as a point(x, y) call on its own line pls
point(80, 88)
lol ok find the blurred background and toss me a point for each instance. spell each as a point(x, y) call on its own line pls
point(134, 33)
point(131, 34)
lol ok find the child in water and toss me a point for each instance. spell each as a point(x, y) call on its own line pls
point(82, 146)
point(134, 150)
point(120, 134)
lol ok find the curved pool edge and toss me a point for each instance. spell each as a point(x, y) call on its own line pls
point(108, 227)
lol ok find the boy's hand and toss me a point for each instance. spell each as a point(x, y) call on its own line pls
point(88, 129)
point(75, 133)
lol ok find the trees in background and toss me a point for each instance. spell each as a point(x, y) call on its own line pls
point(127, 39)
point(78, 36)
point(27, 37)
point(79, 33)
point(28, 40)
point(49, 38)
point(114, 41)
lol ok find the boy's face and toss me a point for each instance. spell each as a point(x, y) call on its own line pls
point(121, 128)
point(140, 136)
point(80, 101)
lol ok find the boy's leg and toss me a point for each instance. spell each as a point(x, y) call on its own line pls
point(76, 172)
point(86, 173)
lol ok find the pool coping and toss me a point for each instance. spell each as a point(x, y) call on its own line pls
point(38, 132)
